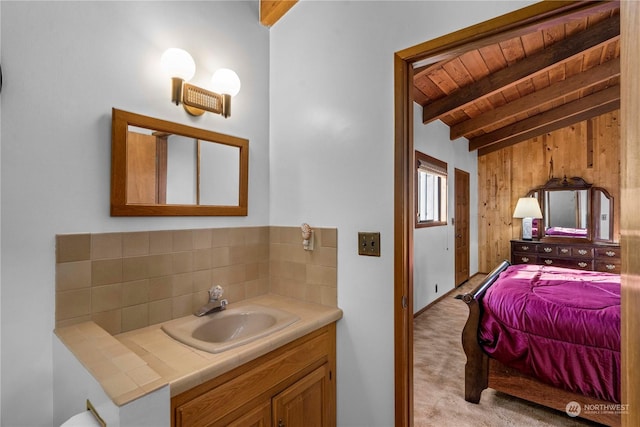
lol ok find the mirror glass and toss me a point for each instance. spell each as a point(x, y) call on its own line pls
point(567, 213)
point(603, 213)
point(164, 168)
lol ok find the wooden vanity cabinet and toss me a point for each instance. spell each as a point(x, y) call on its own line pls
point(291, 386)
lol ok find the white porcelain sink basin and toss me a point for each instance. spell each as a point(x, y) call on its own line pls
point(230, 328)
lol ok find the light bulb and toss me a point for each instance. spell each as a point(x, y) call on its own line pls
point(226, 82)
point(178, 63)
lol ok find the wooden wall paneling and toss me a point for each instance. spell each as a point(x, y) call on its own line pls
point(508, 174)
point(630, 206)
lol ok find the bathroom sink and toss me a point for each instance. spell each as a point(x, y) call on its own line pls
point(230, 328)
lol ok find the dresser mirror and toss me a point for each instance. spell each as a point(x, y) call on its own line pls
point(574, 209)
point(160, 168)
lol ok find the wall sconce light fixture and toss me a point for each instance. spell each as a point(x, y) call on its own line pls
point(180, 66)
point(527, 208)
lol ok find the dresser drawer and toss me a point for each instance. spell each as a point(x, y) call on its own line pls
point(523, 247)
point(578, 264)
point(608, 253)
point(580, 252)
point(520, 258)
point(610, 266)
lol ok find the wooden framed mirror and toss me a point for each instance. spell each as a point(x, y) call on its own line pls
point(160, 168)
point(574, 210)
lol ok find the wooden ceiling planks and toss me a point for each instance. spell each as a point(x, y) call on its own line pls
point(484, 91)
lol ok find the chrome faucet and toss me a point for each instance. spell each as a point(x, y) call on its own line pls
point(214, 304)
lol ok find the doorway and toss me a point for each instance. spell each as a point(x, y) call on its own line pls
point(461, 226)
point(404, 190)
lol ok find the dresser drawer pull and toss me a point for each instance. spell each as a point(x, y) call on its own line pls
point(524, 259)
point(610, 253)
point(582, 264)
point(564, 250)
point(548, 261)
point(525, 248)
point(610, 267)
point(547, 250)
point(582, 251)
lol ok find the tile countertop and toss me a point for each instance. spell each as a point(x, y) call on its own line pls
point(134, 363)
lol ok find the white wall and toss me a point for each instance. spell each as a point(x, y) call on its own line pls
point(66, 64)
point(332, 161)
point(434, 247)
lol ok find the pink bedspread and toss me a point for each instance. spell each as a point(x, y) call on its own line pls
point(557, 324)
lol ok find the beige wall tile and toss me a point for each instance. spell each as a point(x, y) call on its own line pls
point(160, 265)
point(329, 237)
point(106, 271)
point(160, 311)
point(135, 317)
point(135, 243)
point(182, 262)
point(73, 275)
point(160, 288)
point(202, 259)
point(321, 275)
point(219, 237)
point(202, 280)
point(105, 298)
point(181, 306)
point(73, 247)
point(160, 242)
point(141, 278)
point(74, 303)
point(182, 284)
point(220, 257)
point(110, 321)
point(202, 238)
point(134, 293)
point(134, 268)
point(106, 245)
point(182, 240)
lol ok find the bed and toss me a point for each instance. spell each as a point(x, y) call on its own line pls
point(549, 335)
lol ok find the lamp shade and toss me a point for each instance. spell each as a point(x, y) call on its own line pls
point(527, 207)
point(226, 82)
point(178, 63)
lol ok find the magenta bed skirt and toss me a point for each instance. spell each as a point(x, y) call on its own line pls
point(559, 325)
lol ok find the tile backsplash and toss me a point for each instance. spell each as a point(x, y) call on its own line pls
point(125, 281)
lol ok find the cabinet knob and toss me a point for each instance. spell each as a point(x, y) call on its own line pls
point(564, 250)
point(610, 253)
point(548, 261)
point(610, 267)
point(280, 423)
point(582, 251)
point(548, 249)
point(524, 259)
point(525, 248)
point(582, 264)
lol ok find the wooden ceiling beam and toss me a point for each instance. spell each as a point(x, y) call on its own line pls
point(582, 109)
point(272, 10)
point(575, 83)
point(562, 51)
point(486, 33)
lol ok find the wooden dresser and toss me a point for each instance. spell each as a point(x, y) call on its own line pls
point(582, 256)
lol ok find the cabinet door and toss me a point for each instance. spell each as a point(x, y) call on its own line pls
point(258, 417)
point(304, 403)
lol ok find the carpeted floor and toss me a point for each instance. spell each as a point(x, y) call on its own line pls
point(439, 377)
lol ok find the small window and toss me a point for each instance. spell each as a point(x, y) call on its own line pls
point(431, 191)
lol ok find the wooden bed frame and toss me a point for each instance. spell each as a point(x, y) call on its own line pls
point(481, 371)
